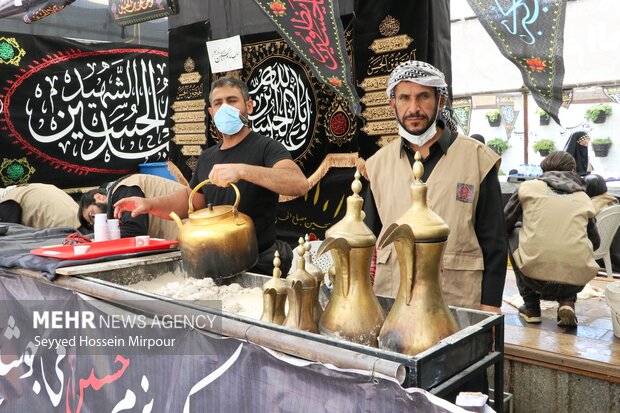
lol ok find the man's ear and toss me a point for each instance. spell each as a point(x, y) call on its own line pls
point(100, 198)
point(210, 109)
point(249, 106)
point(442, 102)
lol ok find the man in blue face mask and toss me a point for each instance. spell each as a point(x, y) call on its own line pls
point(261, 168)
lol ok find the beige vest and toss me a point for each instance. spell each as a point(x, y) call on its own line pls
point(553, 241)
point(602, 201)
point(460, 170)
point(44, 206)
point(153, 186)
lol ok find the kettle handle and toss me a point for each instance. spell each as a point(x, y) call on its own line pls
point(208, 181)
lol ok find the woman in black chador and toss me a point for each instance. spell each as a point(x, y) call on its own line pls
point(577, 146)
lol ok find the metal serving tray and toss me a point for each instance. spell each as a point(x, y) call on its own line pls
point(440, 369)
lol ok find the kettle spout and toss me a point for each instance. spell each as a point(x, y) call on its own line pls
point(176, 219)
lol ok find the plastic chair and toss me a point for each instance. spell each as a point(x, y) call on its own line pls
point(607, 223)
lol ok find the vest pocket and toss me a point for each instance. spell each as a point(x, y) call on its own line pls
point(383, 255)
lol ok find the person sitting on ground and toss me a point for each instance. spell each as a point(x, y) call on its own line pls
point(552, 254)
point(101, 201)
point(38, 206)
point(596, 188)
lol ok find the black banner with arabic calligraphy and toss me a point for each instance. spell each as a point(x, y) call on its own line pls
point(44, 10)
point(313, 122)
point(531, 35)
point(314, 30)
point(387, 33)
point(126, 12)
point(74, 114)
point(189, 94)
point(220, 374)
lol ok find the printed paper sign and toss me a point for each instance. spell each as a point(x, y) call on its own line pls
point(225, 54)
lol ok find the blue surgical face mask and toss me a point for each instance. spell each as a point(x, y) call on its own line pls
point(228, 119)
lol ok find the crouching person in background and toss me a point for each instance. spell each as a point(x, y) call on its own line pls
point(552, 253)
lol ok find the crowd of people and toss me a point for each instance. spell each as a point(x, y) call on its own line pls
point(547, 227)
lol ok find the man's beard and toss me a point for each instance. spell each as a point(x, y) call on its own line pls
point(429, 122)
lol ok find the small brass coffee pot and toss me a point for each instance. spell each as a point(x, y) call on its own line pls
point(353, 312)
point(419, 318)
point(274, 295)
point(316, 272)
point(301, 293)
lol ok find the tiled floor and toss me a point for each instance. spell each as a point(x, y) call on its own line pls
point(593, 314)
point(592, 345)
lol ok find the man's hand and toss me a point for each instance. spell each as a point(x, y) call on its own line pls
point(224, 174)
point(135, 204)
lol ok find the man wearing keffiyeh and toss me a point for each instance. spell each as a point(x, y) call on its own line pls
point(461, 174)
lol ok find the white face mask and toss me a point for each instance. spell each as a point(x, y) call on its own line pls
point(420, 140)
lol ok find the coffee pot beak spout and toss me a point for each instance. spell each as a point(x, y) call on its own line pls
point(176, 219)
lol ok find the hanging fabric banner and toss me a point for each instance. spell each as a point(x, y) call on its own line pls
point(189, 93)
point(387, 33)
point(75, 114)
point(462, 113)
point(567, 98)
point(126, 12)
point(506, 106)
point(612, 92)
point(530, 35)
point(44, 10)
point(313, 28)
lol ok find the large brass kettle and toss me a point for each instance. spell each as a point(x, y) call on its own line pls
point(217, 241)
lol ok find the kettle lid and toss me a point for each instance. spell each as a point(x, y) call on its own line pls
point(211, 212)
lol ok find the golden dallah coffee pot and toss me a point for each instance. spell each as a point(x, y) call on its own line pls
point(300, 287)
point(217, 241)
point(274, 295)
point(353, 312)
point(419, 317)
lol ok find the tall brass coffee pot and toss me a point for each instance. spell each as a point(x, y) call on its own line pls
point(274, 295)
point(300, 287)
point(419, 317)
point(353, 312)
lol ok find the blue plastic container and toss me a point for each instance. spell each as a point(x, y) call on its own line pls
point(156, 168)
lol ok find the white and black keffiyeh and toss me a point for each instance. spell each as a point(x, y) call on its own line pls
point(424, 74)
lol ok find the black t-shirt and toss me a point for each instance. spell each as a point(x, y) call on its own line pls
point(257, 202)
point(129, 226)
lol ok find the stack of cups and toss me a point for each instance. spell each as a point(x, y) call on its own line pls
point(102, 233)
point(113, 229)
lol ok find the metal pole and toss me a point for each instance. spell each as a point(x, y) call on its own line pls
point(525, 124)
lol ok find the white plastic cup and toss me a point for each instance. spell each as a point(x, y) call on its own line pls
point(100, 218)
point(102, 233)
point(114, 229)
point(612, 296)
point(80, 249)
point(142, 240)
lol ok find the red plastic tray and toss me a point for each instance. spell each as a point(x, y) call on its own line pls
point(103, 248)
